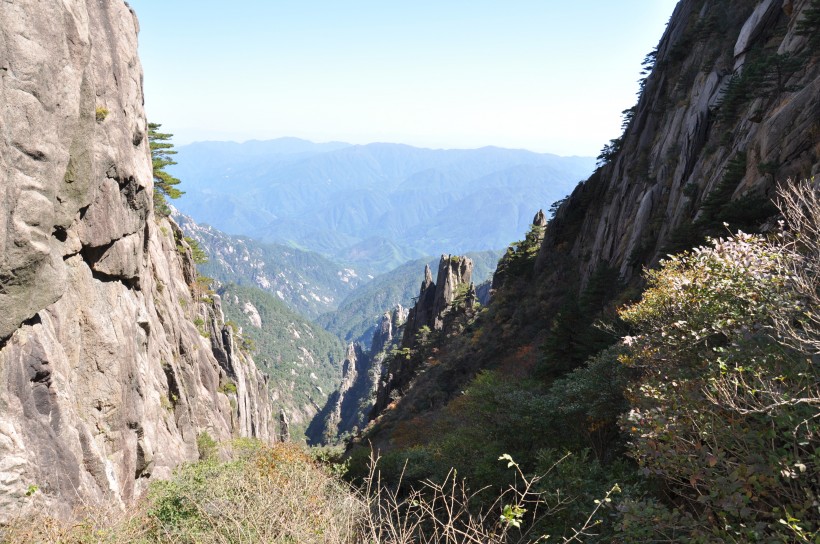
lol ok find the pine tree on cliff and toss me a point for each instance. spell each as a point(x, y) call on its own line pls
point(164, 183)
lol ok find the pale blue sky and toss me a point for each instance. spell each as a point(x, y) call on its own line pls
point(546, 75)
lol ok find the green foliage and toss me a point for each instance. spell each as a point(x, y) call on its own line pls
point(718, 198)
point(206, 446)
point(575, 333)
point(520, 256)
point(199, 323)
point(199, 255)
point(711, 414)
point(809, 26)
point(764, 74)
point(587, 403)
point(101, 113)
point(229, 388)
point(164, 183)
point(513, 515)
point(525, 419)
point(610, 151)
point(553, 209)
point(201, 288)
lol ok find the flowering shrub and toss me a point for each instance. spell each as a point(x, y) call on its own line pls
point(724, 414)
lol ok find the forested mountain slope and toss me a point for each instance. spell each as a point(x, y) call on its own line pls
point(730, 108)
point(301, 360)
point(305, 281)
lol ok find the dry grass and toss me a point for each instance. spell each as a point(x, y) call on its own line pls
point(277, 494)
point(273, 494)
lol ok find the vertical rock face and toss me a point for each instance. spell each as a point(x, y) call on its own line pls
point(355, 388)
point(434, 298)
point(387, 329)
point(453, 272)
point(348, 408)
point(431, 310)
point(105, 382)
point(731, 107)
point(284, 426)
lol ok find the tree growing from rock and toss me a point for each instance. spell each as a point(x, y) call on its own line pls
point(164, 183)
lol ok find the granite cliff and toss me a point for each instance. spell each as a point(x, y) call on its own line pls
point(105, 381)
point(729, 108)
point(433, 311)
point(349, 407)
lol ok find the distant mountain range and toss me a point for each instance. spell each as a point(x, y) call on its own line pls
point(346, 301)
point(306, 282)
point(375, 206)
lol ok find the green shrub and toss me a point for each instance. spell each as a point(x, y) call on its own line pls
point(711, 414)
point(199, 323)
point(101, 113)
point(206, 446)
point(198, 254)
point(229, 388)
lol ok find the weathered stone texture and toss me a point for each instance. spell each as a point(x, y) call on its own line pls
point(680, 142)
point(104, 380)
point(432, 308)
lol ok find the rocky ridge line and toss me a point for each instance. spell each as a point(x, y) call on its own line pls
point(429, 314)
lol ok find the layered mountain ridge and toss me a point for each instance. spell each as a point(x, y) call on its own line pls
point(375, 206)
point(307, 282)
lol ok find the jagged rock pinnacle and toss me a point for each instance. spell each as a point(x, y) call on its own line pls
point(540, 220)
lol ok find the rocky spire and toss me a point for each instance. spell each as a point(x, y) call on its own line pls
point(432, 305)
point(383, 333)
point(471, 297)
point(540, 220)
point(428, 278)
point(284, 426)
point(453, 271)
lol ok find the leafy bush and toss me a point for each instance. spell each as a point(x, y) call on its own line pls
point(206, 446)
point(716, 414)
point(229, 388)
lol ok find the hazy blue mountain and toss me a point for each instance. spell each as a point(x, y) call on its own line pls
point(373, 205)
point(356, 317)
point(305, 281)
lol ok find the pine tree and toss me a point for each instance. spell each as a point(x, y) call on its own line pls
point(164, 183)
point(809, 25)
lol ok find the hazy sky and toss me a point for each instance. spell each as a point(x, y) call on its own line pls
point(546, 75)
